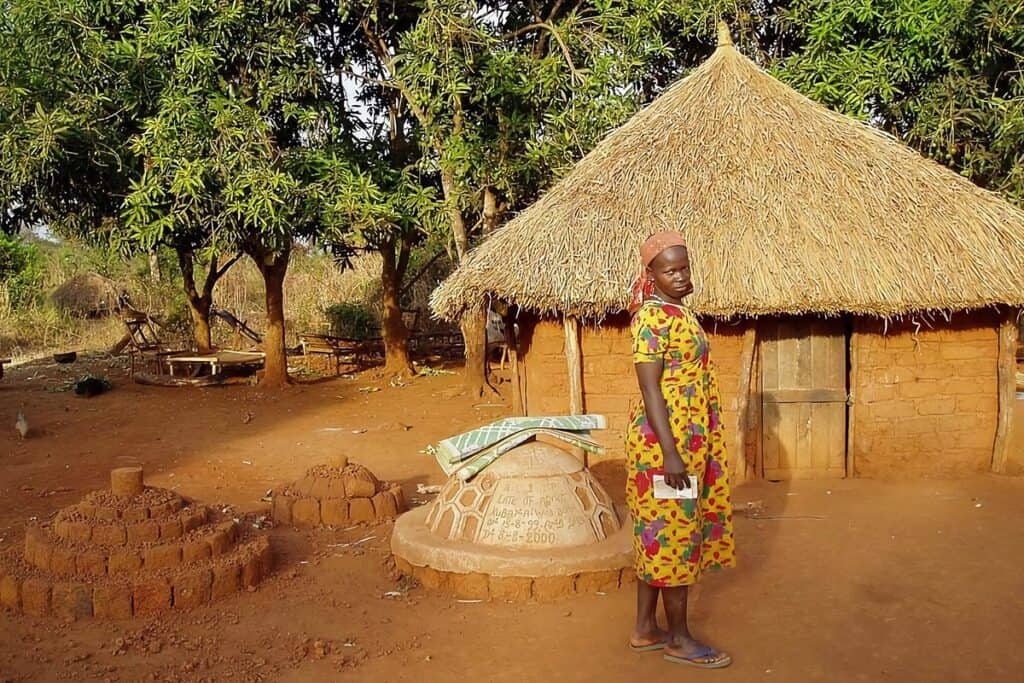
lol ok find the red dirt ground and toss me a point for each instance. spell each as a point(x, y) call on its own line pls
point(839, 581)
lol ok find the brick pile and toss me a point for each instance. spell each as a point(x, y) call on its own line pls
point(336, 495)
point(131, 550)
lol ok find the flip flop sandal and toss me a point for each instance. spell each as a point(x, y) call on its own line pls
point(653, 647)
point(705, 653)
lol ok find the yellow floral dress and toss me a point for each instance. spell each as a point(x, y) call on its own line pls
point(675, 540)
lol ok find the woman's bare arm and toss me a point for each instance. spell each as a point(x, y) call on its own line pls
point(649, 376)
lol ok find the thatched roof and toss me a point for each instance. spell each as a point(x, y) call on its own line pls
point(87, 294)
point(787, 206)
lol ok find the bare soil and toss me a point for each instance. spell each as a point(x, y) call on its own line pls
point(846, 580)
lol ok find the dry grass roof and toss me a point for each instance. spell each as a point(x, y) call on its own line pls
point(87, 294)
point(787, 206)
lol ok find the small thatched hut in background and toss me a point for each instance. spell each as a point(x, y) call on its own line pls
point(88, 295)
point(859, 296)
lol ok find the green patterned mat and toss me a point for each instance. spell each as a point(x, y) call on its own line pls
point(460, 447)
point(467, 454)
point(487, 456)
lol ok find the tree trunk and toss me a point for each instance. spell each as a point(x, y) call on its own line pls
point(199, 307)
point(273, 267)
point(396, 334)
point(474, 324)
point(474, 333)
point(198, 304)
point(455, 213)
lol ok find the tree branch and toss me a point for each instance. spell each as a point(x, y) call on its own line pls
point(553, 32)
point(380, 50)
point(423, 271)
point(554, 10)
point(525, 29)
point(216, 273)
point(231, 262)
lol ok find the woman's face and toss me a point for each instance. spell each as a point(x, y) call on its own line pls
point(670, 271)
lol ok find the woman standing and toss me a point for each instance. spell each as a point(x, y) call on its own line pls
point(675, 433)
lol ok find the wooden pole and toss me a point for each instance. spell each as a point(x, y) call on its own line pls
point(755, 409)
point(518, 407)
point(574, 361)
point(512, 344)
point(851, 404)
point(1007, 383)
point(121, 344)
point(738, 464)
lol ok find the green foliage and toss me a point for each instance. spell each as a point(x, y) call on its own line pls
point(230, 147)
point(15, 256)
point(351, 320)
point(21, 270)
point(212, 126)
point(946, 76)
point(71, 94)
point(367, 203)
point(509, 96)
point(507, 101)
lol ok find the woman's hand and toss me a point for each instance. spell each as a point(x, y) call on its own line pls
point(676, 475)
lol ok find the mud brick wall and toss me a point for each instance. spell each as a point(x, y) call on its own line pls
point(609, 381)
point(925, 400)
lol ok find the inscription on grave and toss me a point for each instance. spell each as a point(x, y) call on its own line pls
point(535, 513)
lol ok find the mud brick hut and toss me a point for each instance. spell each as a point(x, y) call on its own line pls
point(860, 298)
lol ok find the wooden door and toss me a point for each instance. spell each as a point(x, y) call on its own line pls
point(803, 393)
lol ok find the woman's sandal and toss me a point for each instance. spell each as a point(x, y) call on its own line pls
point(718, 659)
point(653, 647)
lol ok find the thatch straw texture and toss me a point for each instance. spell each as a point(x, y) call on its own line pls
point(787, 206)
point(87, 294)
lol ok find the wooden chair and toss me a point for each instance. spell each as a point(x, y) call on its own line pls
point(144, 342)
point(240, 327)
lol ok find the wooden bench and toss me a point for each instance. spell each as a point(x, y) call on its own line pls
point(365, 351)
point(446, 345)
point(343, 350)
point(218, 360)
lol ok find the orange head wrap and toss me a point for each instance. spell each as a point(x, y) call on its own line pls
point(643, 286)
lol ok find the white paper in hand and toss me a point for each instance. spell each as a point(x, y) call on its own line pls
point(664, 491)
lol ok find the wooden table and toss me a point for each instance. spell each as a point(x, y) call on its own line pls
point(218, 360)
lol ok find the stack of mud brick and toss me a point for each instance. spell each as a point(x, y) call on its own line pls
point(336, 495)
point(132, 550)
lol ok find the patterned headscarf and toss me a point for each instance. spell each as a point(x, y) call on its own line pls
point(642, 286)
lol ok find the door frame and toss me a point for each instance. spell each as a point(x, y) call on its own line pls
point(757, 400)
